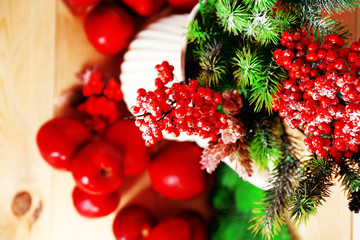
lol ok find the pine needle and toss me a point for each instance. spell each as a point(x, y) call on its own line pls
point(349, 175)
point(195, 33)
point(274, 212)
point(264, 144)
point(313, 188)
point(233, 16)
point(212, 65)
point(247, 65)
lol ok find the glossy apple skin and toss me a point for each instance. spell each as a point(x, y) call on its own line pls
point(109, 28)
point(59, 138)
point(145, 7)
point(171, 229)
point(94, 206)
point(84, 3)
point(128, 138)
point(186, 5)
point(176, 173)
point(98, 168)
point(197, 224)
point(133, 222)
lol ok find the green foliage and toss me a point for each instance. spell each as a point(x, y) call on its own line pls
point(233, 16)
point(264, 144)
point(263, 5)
point(212, 65)
point(332, 6)
point(349, 174)
point(195, 32)
point(273, 212)
point(248, 66)
point(233, 214)
point(262, 27)
point(313, 188)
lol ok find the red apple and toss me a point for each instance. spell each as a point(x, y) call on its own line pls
point(98, 168)
point(128, 138)
point(109, 28)
point(133, 222)
point(171, 229)
point(186, 5)
point(176, 173)
point(84, 3)
point(197, 224)
point(94, 206)
point(59, 138)
point(145, 7)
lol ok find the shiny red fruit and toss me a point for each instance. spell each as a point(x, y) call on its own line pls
point(171, 229)
point(128, 138)
point(94, 206)
point(176, 174)
point(98, 168)
point(84, 3)
point(186, 5)
point(197, 225)
point(134, 222)
point(59, 138)
point(145, 7)
point(109, 28)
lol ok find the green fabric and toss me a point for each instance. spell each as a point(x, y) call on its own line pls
point(234, 200)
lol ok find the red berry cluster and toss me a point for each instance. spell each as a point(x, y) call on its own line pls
point(322, 93)
point(102, 103)
point(178, 108)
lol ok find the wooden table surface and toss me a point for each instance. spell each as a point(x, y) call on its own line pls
point(42, 46)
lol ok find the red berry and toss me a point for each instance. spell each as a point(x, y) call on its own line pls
point(313, 46)
point(98, 168)
point(109, 28)
point(133, 222)
point(59, 139)
point(94, 206)
point(355, 46)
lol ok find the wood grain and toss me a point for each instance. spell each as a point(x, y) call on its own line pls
point(42, 46)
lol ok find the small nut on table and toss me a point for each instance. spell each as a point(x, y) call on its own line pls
point(21, 203)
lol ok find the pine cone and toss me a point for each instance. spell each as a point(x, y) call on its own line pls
point(354, 202)
point(218, 150)
point(232, 102)
point(236, 130)
point(243, 165)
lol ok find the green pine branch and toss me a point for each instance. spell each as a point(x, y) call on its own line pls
point(332, 6)
point(262, 27)
point(261, 5)
point(274, 212)
point(265, 86)
point(248, 66)
point(233, 16)
point(313, 188)
point(195, 33)
point(349, 175)
point(264, 144)
point(212, 65)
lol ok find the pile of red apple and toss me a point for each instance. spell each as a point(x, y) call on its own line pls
point(99, 163)
point(110, 25)
point(103, 148)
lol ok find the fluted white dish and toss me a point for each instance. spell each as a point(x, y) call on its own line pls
point(162, 40)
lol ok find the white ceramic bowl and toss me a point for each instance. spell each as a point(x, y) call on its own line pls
point(162, 40)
